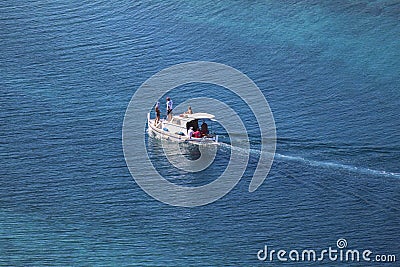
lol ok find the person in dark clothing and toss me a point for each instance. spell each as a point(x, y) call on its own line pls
point(204, 128)
point(158, 113)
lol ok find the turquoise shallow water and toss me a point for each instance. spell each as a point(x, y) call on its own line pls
point(329, 70)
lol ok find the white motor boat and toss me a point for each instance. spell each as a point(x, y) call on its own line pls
point(178, 128)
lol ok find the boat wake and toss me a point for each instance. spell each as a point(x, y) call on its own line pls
point(323, 164)
point(332, 165)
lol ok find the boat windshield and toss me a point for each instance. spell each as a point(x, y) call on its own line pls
point(193, 123)
point(176, 121)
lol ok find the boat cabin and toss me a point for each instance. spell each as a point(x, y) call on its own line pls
point(181, 124)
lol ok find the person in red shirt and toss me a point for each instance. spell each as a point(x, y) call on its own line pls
point(197, 134)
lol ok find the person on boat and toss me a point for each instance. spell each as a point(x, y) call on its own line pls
point(158, 113)
point(189, 111)
point(197, 134)
point(190, 132)
point(169, 108)
point(204, 129)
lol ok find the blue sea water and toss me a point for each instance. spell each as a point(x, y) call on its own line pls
point(330, 71)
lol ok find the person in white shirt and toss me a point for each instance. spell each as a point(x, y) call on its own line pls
point(169, 108)
point(190, 132)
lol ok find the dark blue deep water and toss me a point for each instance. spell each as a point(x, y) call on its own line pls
point(330, 71)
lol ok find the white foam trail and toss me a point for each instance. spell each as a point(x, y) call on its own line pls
point(333, 165)
point(324, 164)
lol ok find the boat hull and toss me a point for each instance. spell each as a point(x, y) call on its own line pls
point(163, 133)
